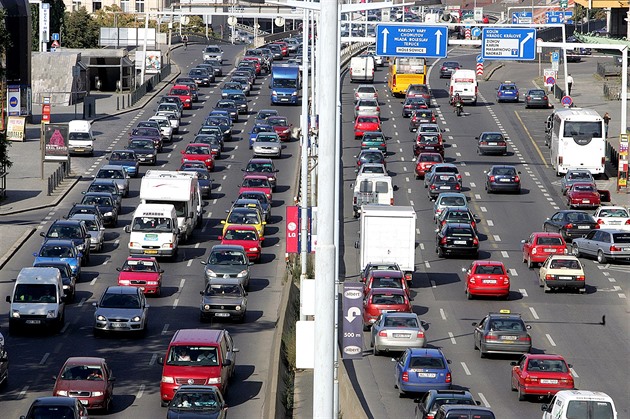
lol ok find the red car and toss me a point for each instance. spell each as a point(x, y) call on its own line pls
point(246, 236)
point(143, 272)
point(366, 123)
point(379, 300)
point(284, 47)
point(87, 378)
point(425, 162)
point(583, 195)
point(256, 183)
point(487, 278)
point(199, 152)
point(539, 246)
point(385, 279)
point(256, 60)
point(281, 126)
point(183, 93)
point(541, 375)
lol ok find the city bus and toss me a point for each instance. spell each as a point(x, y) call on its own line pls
point(404, 71)
point(577, 140)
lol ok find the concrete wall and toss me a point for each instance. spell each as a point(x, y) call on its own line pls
point(52, 76)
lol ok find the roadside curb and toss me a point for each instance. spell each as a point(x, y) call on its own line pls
point(16, 246)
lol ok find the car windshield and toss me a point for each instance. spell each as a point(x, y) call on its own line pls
point(536, 93)
point(564, 264)
point(578, 216)
point(584, 188)
point(504, 171)
point(508, 87)
point(97, 200)
point(276, 120)
point(193, 356)
point(139, 266)
point(240, 235)
point(452, 201)
point(35, 293)
point(197, 150)
point(470, 402)
point(548, 365)
point(430, 157)
point(427, 362)
point(241, 217)
point(549, 241)
point(429, 139)
point(259, 167)
point(614, 213)
point(190, 400)
point(122, 155)
point(214, 290)
point(91, 225)
point(141, 145)
point(489, 270)
point(64, 232)
point(460, 232)
point(56, 252)
point(388, 299)
point(227, 258)
point(145, 131)
point(458, 215)
point(256, 183)
point(152, 224)
point(387, 283)
point(590, 409)
point(51, 412)
point(103, 188)
point(492, 137)
point(110, 174)
point(621, 238)
point(111, 300)
point(82, 372)
point(367, 120)
point(392, 321)
point(266, 138)
point(373, 169)
point(507, 325)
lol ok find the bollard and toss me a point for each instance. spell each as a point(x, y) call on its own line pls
point(117, 103)
point(49, 187)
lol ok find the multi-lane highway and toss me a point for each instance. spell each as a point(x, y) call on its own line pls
point(35, 358)
point(562, 323)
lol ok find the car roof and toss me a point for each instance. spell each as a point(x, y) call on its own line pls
point(55, 401)
point(68, 221)
point(387, 291)
point(84, 360)
point(116, 289)
point(384, 273)
point(196, 336)
point(112, 167)
point(240, 226)
point(224, 247)
point(58, 242)
point(425, 352)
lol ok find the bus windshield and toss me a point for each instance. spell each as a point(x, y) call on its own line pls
point(592, 129)
point(410, 65)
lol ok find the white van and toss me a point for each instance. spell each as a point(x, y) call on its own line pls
point(80, 137)
point(38, 300)
point(464, 83)
point(580, 404)
point(362, 68)
point(153, 230)
point(372, 190)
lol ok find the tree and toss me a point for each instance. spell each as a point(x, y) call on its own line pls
point(5, 43)
point(79, 30)
point(57, 10)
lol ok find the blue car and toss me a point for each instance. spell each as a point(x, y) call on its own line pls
point(419, 370)
point(507, 92)
point(60, 251)
point(127, 159)
point(257, 129)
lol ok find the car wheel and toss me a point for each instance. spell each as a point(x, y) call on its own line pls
point(521, 396)
point(163, 403)
point(575, 251)
point(402, 394)
point(366, 327)
point(440, 252)
point(601, 258)
point(376, 352)
point(546, 289)
point(482, 354)
point(469, 296)
point(475, 344)
point(530, 264)
point(512, 384)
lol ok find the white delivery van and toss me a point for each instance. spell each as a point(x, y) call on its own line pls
point(180, 189)
point(153, 230)
point(38, 300)
point(362, 68)
point(372, 190)
point(464, 83)
point(80, 137)
point(579, 404)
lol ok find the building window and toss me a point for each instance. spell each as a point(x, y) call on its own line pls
point(124, 6)
point(97, 5)
point(140, 6)
point(76, 4)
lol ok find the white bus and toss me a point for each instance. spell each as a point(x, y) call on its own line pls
point(577, 141)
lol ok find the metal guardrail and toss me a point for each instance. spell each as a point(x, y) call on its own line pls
point(62, 171)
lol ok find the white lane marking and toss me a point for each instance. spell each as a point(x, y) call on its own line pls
point(458, 154)
point(465, 367)
point(490, 223)
point(513, 272)
point(189, 263)
point(483, 400)
point(548, 336)
point(523, 292)
point(64, 328)
point(409, 191)
point(427, 265)
point(417, 229)
point(452, 336)
point(23, 392)
point(181, 283)
point(573, 373)
point(466, 173)
point(175, 303)
point(140, 391)
point(442, 314)
point(534, 314)
point(496, 237)
point(421, 246)
point(165, 328)
point(433, 284)
point(611, 279)
point(473, 185)
point(477, 196)
point(505, 254)
point(44, 358)
point(622, 296)
point(92, 282)
point(483, 209)
point(411, 203)
point(153, 359)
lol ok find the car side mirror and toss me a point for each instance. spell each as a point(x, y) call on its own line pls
point(513, 363)
point(227, 362)
point(8, 299)
point(528, 327)
point(395, 186)
point(89, 236)
point(160, 360)
point(94, 304)
point(250, 263)
point(476, 138)
point(437, 230)
point(201, 292)
point(119, 269)
point(42, 234)
point(544, 407)
point(474, 323)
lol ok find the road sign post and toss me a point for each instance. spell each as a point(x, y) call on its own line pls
point(508, 44)
point(411, 41)
point(352, 309)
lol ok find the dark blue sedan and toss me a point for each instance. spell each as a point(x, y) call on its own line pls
point(419, 370)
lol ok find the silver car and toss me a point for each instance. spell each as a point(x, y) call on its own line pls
point(397, 332)
point(365, 91)
point(227, 261)
point(118, 173)
point(604, 245)
point(173, 119)
point(267, 144)
point(575, 176)
point(223, 298)
point(367, 107)
point(372, 170)
point(121, 309)
point(95, 228)
point(447, 200)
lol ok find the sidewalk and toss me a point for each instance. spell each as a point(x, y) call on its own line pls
point(27, 187)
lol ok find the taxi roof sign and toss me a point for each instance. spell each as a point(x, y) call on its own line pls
point(505, 311)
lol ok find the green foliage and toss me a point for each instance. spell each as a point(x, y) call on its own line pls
point(79, 30)
point(57, 10)
point(5, 43)
point(594, 14)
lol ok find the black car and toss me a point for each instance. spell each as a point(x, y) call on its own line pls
point(448, 67)
point(241, 102)
point(443, 183)
point(491, 143)
point(106, 203)
point(68, 280)
point(223, 123)
point(146, 151)
point(503, 179)
point(265, 202)
point(421, 116)
point(216, 66)
point(428, 405)
point(457, 238)
point(201, 76)
point(370, 156)
point(197, 401)
point(570, 223)
point(412, 104)
point(106, 185)
point(74, 230)
point(173, 99)
point(57, 408)
point(85, 209)
point(230, 106)
point(203, 175)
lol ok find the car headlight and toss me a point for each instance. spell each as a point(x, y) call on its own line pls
point(273, 92)
point(15, 314)
point(66, 287)
point(101, 318)
point(214, 380)
point(206, 307)
point(51, 314)
point(124, 282)
point(109, 214)
point(210, 273)
point(97, 393)
point(253, 249)
point(150, 156)
point(63, 393)
point(237, 308)
point(80, 246)
point(242, 273)
point(135, 319)
point(168, 380)
point(294, 94)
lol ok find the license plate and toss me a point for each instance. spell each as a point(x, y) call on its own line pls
point(584, 227)
point(429, 148)
point(614, 223)
point(504, 180)
point(492, 143)
point(401, 335)
point(489, 281)
point(151, 252)
point(222, 314)
point(79, 149)
point(586, 201)
point(565, 278)
point(459, 242)
point(551, 250)
point(508, 337)
point(85, 402)
point(426, 375)
point(445, 187)
point(548, 381)
point(33, 322)
point(118, 325)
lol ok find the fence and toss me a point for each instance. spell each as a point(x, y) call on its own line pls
point(62, 171)
point(147, 86)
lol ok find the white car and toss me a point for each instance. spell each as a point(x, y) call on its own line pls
point(613, 217)
point(562, 272)
point(173, 119)
point(165, 127)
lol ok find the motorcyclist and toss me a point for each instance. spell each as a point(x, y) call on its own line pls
point(185, 41)
point(457, 102)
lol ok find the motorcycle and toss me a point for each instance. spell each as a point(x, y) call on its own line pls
point(459, 108)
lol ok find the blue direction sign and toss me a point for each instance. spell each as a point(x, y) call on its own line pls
point(479, 59)
point(352, 322)
point(557, 16)
point(411, 41)
point(476, 32)
point(521, 17)
point(508, 44)
point(55, 36)
point(555, 56)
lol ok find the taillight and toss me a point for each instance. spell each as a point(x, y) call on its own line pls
point(378, 108)
point(627, 222)
point(420, 335)
point(525, 338)
point(473, 224)
point(534, 251)
point(391, 201)
point(603, 161)
point(545, 98)
point(560, 160)
point(433, 187)
point(382, 334)
point(506, 280)
point(491, 178)
point(448, 377)
point(457, 187)
point(490, 337)
point(443, 240)
point(405, 376)
point(568, 226)
point(528, 97)
point(443, 69)
point(580, 278)
point(596, 226)
point(473, 280)
point(476, 241)
point(517, 179)
point(394, 80)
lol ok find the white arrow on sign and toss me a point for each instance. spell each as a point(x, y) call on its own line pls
point(529, 36)
point(353, 313)
point(385, 32)
point(438, 35)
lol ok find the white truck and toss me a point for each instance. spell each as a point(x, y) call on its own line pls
point(80, 137)
point(153, 231)
point(362, 68)
point(176, 188)
point(464, 84)
point(388, 234)
point(372, 190)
